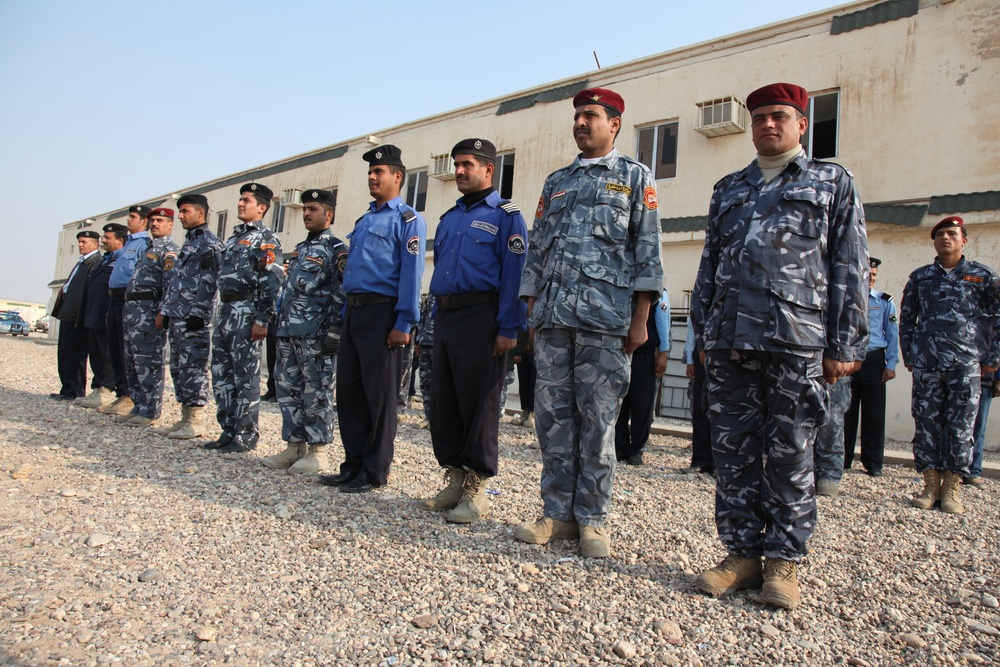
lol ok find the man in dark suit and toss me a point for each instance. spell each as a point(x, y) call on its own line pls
point(94, 314)
point(72, 338)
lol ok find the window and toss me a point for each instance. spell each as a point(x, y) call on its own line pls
point(821, 137)
point(657, 149)
point(416, 190)
point(278, 217)
point(220, 224)
point(503, 176)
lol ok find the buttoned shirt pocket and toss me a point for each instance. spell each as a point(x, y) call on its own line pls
point(806, 214)
point(730, 215)
point(798, 315)
point(308, 274)
point(611, 208)
point(378, 239)
point(477, 246)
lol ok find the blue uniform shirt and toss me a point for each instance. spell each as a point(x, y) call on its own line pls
point(135, 245)
point(883, 328)
point(662, 317)
point(481, 249)
point(387, 258)
point(690, 348)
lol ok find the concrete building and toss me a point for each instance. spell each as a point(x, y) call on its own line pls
point(903, 94)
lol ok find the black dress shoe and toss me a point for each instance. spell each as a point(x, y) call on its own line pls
point(235, 447)
point(359, 484)
point(874, 472)
point(62, 397)
point(269, 397)
point(223, 440)
point(338, 479)
point(635, 459)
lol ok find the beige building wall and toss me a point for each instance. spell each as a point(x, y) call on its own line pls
point(916, 120)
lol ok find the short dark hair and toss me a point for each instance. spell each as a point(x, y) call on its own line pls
point(327, 208)
point(397, 169)
point(261, 201)
point(122, 235)
point(201, 207)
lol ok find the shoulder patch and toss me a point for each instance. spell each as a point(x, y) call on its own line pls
point(516, 244)
point(541, 207)
point(413, 245)
point(509, 206)
point(885, 297)
point(974, 279)
point(168, 263)
point(342, 262)
point(649, 198)
point(267, 246)
point(409, 215)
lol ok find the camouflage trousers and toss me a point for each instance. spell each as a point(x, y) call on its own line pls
point(403, 397)
point(944, 407)
point(236, 371)
point(304, 375)
point(582, 378)
point(144, 357)
point(505, 383)
point(189, 351)
point(765, 410)
point(829, 450)
point(426, 364)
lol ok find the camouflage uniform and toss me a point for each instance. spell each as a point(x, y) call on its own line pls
point(595, 242)
point(829, 451)
point(249, 281)
point(425, 339)
point(191, 293)
point(310, 306)
point(939, 320)
point(782, 284)
point(143, 341)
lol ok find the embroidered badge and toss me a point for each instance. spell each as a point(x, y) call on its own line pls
point(649, 198)
point(478, 144)
point(413, 245)
point(342, 263)
point(973, 279)
point(244, 242)
point(315, 260)
point(152, 255)
point(541, 207)
point(558, 195)
point(378, 154)
point(618, 187)
point(516, 244)
point(892, 318)
point(168, 263)
point(267, 246)
point(485, 226)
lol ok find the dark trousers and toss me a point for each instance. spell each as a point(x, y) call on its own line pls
point(526, 373)
point(116, 344)
point(72, 360)
point(271, 345)
point(367, 383)
point(636, 416)
point(100, 360)
point(868, 399)
point(465, 389)
point(701, 428)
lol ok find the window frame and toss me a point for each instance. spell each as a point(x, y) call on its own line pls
point(656, 149)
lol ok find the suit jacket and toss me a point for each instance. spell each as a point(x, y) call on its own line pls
point(96, 300)
point(68, 304)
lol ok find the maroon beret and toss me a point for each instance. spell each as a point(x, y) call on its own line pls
point(162, 212)
point(603, 96)
point(953, 221)
point(779, 93)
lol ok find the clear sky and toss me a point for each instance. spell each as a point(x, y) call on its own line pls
point(107, 103)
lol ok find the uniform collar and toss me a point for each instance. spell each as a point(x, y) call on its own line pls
point(393, 203)
point(139, 235)
point(753, 173)
point(492, 199)
point(246, 226)
point(197, 231)
point(608, 161)
point(958, 268)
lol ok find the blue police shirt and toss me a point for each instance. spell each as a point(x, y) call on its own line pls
point(883, 327)
point(387, 257)
point(135, 245)
point(481, 249)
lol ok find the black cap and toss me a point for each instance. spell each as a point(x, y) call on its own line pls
point(141, 209)
point(115, 227)
point(258, 189)
point(874, 262)
point(321, 196)
point(192, 198)
point(88, 234)
point(479, 147)
point(387, 154)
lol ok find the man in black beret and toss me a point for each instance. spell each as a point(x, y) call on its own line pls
point(72, 350)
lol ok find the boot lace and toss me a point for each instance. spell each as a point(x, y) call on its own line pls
point(780, 569)
point(471, 486)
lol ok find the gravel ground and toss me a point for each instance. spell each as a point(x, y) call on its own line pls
point(122, 547)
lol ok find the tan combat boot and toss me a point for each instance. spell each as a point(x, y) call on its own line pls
point(950, 501)
point(594, 542)
point(781, 586)
point(474, 504)
point(293, 452)
point(123, 419)
point(193, 426)
point(528, 421)
point(733, 574)
point(448, 497)
point(314, 460)
point(546, 529)
point(122, 406)
point(167, 430)
point(139, 421)
point(97, 399)
point(931, 493)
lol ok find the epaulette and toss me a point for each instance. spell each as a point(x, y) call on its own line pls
point(409, 215)
point(509, 206)
point(885, 297)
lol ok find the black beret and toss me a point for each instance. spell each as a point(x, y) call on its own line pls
point(479, 147)
point(387, 154)
point(192, 198)
point(321, 196)
point(258, 189)
point(88, 234)
point(115, 227)
point(874, 262)
point(141, 209)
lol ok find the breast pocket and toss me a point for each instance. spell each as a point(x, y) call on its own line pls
point(308, 274)
point(378, 240)
point(805, 215)
point(797, 314)
point(478, 246)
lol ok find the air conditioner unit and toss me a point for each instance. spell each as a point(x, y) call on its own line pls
point(722, 116)
point(291, 198)
point(444, 167)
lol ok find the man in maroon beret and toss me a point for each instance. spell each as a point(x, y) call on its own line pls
point(781, 307)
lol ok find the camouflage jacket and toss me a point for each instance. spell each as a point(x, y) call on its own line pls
point(942, 314)
point(154, 269)
point(785, 264)
point(595, 241)
point(191, 290)
point(425, 329)
point(251, 262)
point(313, 295)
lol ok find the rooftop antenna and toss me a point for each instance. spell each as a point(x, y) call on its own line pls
point(596, 60)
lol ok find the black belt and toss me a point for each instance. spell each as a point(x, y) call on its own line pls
point(116, 291)
point(453, 301)
point(355, 300)
point(142, 296)
point(242, 295)
point(876, 353)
